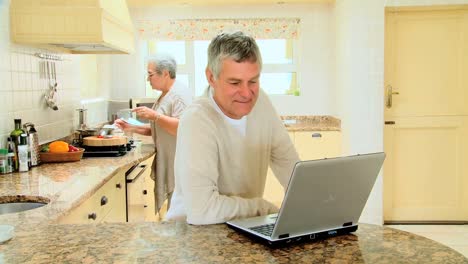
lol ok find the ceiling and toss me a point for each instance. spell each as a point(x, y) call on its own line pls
point(146, 3)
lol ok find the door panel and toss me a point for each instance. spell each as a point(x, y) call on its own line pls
point(427, 168)
point(426, 64)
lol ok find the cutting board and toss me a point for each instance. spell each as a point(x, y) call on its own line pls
point(94, 141)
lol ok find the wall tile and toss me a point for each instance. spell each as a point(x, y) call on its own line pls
point(5, 80)
point(14, 61)
point(6, 101)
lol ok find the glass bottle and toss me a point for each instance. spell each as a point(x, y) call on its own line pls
point(11, 156)
point(23, 153)
point(15, 137)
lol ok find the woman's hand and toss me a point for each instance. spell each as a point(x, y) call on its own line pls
point(122, 124)
point(145, 113)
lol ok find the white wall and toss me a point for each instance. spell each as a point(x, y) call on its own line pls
point(125, 75)
point(316, 48)
point(359, 83)
point(22, 89)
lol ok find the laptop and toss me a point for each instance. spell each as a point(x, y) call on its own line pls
point(324, 198)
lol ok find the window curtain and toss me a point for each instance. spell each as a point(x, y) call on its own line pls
point(206, 29)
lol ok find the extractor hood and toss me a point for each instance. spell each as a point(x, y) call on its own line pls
point(73, 26)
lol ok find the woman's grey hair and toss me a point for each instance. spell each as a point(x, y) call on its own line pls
point(164, 62)
point(236, 46)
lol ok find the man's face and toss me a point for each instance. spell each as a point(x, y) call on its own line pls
point(236, 89)
point(156, 81)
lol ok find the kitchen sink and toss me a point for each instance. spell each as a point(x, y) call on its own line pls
point(9, 205)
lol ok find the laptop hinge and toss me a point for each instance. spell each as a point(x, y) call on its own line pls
point(283, 236)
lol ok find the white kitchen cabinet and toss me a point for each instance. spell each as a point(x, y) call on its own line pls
point(107, 204)
point(309, 145)
point(141, 203)
point(317, 144)
point(148, 190)
point(274, 192)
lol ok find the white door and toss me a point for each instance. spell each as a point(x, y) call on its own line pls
point(426, 135)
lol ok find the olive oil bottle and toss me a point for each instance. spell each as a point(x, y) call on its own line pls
point(15, 137)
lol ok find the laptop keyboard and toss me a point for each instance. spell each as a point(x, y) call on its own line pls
point(266, 230)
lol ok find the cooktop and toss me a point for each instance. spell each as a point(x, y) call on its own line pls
point(107, 151)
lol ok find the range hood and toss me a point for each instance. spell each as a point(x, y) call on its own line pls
point(73, 26)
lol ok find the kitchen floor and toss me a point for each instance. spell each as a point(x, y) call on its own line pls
point(453, 236)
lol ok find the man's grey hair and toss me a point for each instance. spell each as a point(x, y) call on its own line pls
point(236, 46)
point(164, 62)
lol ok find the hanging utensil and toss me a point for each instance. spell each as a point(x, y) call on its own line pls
point(51, 95)
point(51, 81)
point(40, 70)
point(55, 77)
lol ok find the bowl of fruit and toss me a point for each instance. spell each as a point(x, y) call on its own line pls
point(60, 151)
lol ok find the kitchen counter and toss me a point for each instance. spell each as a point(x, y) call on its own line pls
point(177, 242)
point(64, 185)
point(311, 123)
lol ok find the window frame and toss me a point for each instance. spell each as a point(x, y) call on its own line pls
point(189, 67)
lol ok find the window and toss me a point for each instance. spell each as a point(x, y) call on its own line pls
point(279, 72)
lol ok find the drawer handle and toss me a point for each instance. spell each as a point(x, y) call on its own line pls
point(145, 206)
point(316, 135)
point(118, 186)
point(145, 192)
point(104, 200)
point(92, 216)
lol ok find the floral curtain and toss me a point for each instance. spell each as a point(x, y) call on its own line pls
point(206, 29)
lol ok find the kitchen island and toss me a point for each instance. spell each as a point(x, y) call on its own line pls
point(39, 238)
point(177, 242)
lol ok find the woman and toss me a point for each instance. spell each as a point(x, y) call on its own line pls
point(164, 120)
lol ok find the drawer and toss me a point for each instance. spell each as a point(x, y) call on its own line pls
point(96, 207)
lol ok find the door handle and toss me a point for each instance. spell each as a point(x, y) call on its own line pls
point(389, 94)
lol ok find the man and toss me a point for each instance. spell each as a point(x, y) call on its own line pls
point(164, 120)
point(228, 138)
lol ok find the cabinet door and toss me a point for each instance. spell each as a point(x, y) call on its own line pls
point(148, 189)
point(135, 194)
point(150, 207)
point(141, 196)
point(318, 144)
point(117, 200)
point(149, 199)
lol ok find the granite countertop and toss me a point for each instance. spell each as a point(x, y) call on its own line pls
point(177, 242)
point(311, 123)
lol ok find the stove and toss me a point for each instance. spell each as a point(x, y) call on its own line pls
point(104, 151)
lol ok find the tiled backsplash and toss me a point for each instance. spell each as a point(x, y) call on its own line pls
point(22, 89)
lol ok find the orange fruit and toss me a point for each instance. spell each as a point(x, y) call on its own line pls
point(58, 146)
